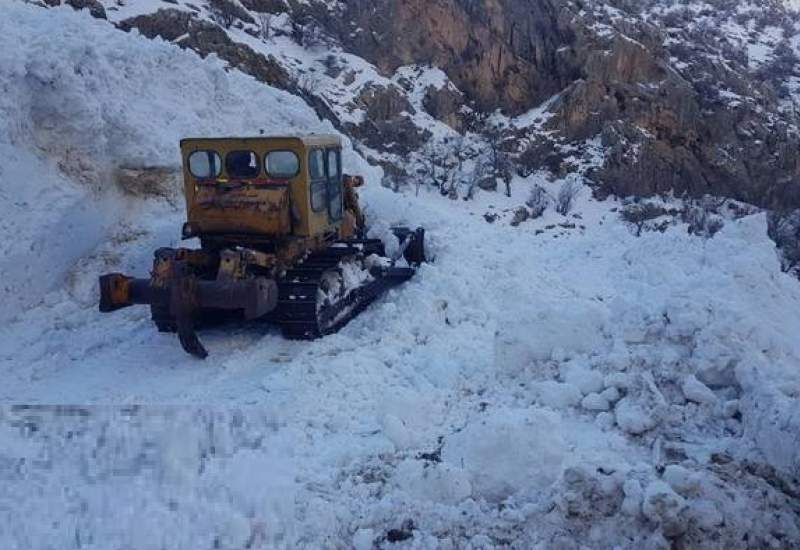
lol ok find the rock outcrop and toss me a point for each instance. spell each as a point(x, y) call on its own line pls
point(95, 8)
point(674, 104)
point(507, 54)
point(387, 124)
point(204, 37)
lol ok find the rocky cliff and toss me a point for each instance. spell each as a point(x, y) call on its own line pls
point(641, 96)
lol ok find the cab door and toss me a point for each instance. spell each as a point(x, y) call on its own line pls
point(333, 173)
point(318, 177)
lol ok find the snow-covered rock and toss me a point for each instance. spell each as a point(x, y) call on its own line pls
point(582, 377)
point(663, 506)
point(439, 482)
point(696, 391)
point(595, 402)
point(682, 480)
point(633, 417)
point(557, 395)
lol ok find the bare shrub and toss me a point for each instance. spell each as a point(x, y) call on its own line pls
point(264, 26)
point(497, 157)
point(472, 181)
point(703, 216)
point(538, 201)
point(566, 196)
point(433, 158)
point(226, 13)
point(638, 214)
point(308, 33)
point(310, 82)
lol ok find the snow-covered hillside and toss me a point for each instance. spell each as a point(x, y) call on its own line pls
point(560, 383)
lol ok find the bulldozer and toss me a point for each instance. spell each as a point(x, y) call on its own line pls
point(282, 240)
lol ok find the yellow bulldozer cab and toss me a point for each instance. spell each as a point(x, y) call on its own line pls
point(270, 186)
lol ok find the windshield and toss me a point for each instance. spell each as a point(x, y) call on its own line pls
point(242, 164)
point(282, 164)
point(205, 164)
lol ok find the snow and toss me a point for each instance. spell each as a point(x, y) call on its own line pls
point(663, 506)
point(696, 391)
point(681, 479)
point(634, 417)
point(538, 116)
point(586, 379)
point(465, 403)
point(508, 450)
point(595, 402)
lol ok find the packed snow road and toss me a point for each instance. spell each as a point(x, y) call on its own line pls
point(441, 325)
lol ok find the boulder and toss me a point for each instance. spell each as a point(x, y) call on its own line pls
point(520, 215)
point(488, 183)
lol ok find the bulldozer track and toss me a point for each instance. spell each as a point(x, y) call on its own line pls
point(299, 313)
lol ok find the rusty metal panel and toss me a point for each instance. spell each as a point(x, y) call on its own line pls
point(241, 209)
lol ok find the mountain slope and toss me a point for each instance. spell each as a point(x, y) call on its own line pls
point(692, 98)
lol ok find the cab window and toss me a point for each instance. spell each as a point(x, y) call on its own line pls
point(335, 208)
point(205, 164)
point(281, 164)
point(333, 163)
point(316, 164)
point(242, 164)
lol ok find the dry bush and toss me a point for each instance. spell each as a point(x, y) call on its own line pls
point(538, 201)
point(566, 196)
